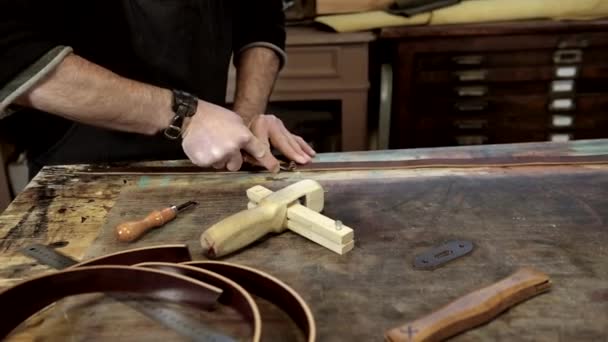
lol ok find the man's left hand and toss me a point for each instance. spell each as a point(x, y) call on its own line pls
point(270, 130)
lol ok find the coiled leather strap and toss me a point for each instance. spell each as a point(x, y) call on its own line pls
point(151, 272)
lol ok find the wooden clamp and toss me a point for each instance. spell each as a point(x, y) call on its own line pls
point(275, 212)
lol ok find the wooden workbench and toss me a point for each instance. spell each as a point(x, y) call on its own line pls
point(543, 205)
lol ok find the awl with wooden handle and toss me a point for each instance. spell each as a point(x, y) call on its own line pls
point(133, 230)
point(295, 207)
point(473, 309)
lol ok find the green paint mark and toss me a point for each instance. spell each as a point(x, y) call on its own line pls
point(143, 181)
point(165, 181)
point(590, 148)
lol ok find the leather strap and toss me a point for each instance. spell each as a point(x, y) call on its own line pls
point(418, 163)
point(27, 298)
point(268, 287)
point(158, 268)
point(165, 253)
point(233, 294)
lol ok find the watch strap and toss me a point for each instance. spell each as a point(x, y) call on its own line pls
point(184, 105)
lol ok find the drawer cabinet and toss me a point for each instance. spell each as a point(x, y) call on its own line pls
point(499, 83)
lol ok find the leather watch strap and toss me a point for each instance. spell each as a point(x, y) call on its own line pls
point(184, 105)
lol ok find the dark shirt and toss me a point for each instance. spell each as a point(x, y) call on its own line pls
point(182, 44)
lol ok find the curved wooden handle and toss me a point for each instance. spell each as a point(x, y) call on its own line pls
point(473, 309)
point(133, 230)
point(241, 229)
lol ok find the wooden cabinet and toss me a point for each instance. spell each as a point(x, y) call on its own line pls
point(499, 83)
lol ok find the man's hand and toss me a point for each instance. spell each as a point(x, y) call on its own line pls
point(270, 130)
point(215, 136)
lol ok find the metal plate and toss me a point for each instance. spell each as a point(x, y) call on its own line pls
point(48, 256)
point(438, 256)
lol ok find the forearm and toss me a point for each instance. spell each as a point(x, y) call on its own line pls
point(85, 92)
point(257, 69)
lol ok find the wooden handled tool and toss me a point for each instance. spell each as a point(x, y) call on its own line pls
point(275, 212)
point(133, 230)
point(473, 309)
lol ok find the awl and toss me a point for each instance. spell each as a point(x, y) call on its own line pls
point(133, 230)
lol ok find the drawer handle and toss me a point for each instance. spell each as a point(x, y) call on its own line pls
point(466, 91)
point(468, 60)
point(471, 75)
point(568, 56)
point(562, 105)
point(562, 86)
point(562, 120)
point(471, 124)
point(471, 106)
point(471, 139)
point(566, 72)
point(560, 137)
point(573, 43)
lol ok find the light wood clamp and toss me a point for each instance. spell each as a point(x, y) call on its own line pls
point(296, 207)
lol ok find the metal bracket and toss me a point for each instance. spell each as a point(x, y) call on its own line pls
point(440, 255)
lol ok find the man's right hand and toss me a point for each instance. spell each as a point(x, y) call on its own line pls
point(215, 136)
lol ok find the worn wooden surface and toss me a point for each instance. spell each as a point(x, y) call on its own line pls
point(549, 217)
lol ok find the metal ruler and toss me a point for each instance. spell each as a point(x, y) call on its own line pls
point(184, 325)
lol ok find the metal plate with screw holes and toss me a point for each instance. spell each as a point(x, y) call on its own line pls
point(438, 256)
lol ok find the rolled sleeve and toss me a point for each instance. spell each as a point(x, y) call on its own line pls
point(28, 77)
point(260, 23)
point(26, 52)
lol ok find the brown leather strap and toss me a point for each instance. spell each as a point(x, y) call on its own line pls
point(158, 268)
point(480, 161)
point(27, 298)
point(268, 287)
point(165, 253)
point(233, 294)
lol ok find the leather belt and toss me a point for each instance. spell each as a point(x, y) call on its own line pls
point(161, 272)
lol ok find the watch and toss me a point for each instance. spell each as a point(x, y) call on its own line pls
point(184, 106)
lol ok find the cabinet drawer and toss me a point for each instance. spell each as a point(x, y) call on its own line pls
point(318, 70)
point(579, 121)
point(341, 67)
point(459, 60)
point(437, 137)
point(522, 74)
point(485, 105)
point(475, 90)
point(526, 106)
point(483, 123)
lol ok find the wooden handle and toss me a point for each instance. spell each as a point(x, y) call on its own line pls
point(133, 230)
point(242, 228)
point(473, 309)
